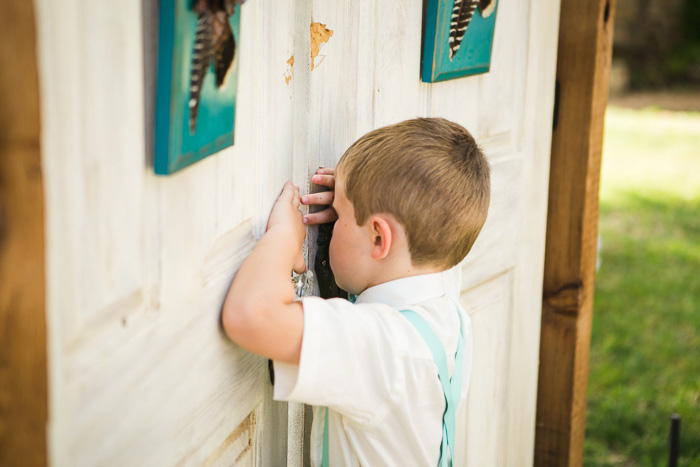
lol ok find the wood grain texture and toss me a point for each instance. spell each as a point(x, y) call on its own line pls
point(23, 362)
point(238, 449)
point(585, 46)
point(534, 137)
point(141, 372)
point(398, 92)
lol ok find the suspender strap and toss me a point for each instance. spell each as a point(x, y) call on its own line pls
point(324, 462)
point(451, 388)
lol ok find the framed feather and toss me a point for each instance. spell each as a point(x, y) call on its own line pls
point(197, 80)
point(458, 36)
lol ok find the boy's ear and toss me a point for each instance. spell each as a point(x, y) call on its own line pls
point(382, 238)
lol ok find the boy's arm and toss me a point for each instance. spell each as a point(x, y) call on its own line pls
point(259, 312)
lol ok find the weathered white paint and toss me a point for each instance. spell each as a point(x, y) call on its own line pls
point(140, 373)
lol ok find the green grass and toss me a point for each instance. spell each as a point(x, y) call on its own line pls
point(645, 347)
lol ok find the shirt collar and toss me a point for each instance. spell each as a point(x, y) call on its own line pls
point(405, 291)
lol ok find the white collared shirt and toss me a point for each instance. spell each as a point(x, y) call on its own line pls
point(373, 369)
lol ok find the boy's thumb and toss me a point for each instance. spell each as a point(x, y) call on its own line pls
point(288, 190)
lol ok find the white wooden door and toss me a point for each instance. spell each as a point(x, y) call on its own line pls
point(140, 373)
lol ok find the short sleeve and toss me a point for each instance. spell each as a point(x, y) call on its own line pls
point(347, 346)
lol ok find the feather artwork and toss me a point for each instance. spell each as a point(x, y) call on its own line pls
point(196, 81)
point(458, 38)
point(462, 13)
point(213, 42)
point(487, 7)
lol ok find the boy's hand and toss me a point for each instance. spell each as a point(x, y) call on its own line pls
point(324, 177)
point(287, 218)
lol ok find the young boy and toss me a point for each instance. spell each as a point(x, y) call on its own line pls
point(410, 200)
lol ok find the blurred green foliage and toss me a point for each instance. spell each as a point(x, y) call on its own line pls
point(691, 20)
point(655, 60)
point(645, 348)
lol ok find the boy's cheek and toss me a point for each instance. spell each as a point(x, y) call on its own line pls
point(342, 272)
point(334, 260)
point(332, 255)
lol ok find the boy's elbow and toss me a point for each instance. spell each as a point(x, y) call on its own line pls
point(238, 320)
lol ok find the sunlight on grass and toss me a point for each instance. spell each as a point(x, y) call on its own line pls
point(651, 152)
point(645, 348)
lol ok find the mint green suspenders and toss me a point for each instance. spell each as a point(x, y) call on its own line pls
point(451, 387)
point(325, 442)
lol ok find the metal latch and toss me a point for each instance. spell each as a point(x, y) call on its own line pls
point(303, 284)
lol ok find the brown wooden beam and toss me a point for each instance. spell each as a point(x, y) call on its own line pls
point(23, 372)
point(583, 69)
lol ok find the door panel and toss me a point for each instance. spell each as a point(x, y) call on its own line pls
point(493, 252)
point(489, 306)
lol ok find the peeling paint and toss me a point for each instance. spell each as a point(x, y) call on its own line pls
point(319, 36)
point(290, 71)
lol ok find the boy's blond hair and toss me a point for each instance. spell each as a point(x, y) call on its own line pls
point(429, 174)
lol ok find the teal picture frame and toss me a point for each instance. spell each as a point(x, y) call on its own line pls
point(176, 145)
point(474, 53)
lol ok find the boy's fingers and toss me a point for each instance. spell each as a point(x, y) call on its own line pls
point(325, 171)
point(322, 198)
point(322, 217)
point(324, 180)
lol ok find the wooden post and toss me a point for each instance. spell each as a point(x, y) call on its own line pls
point(583, 68)
point(23, 375)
